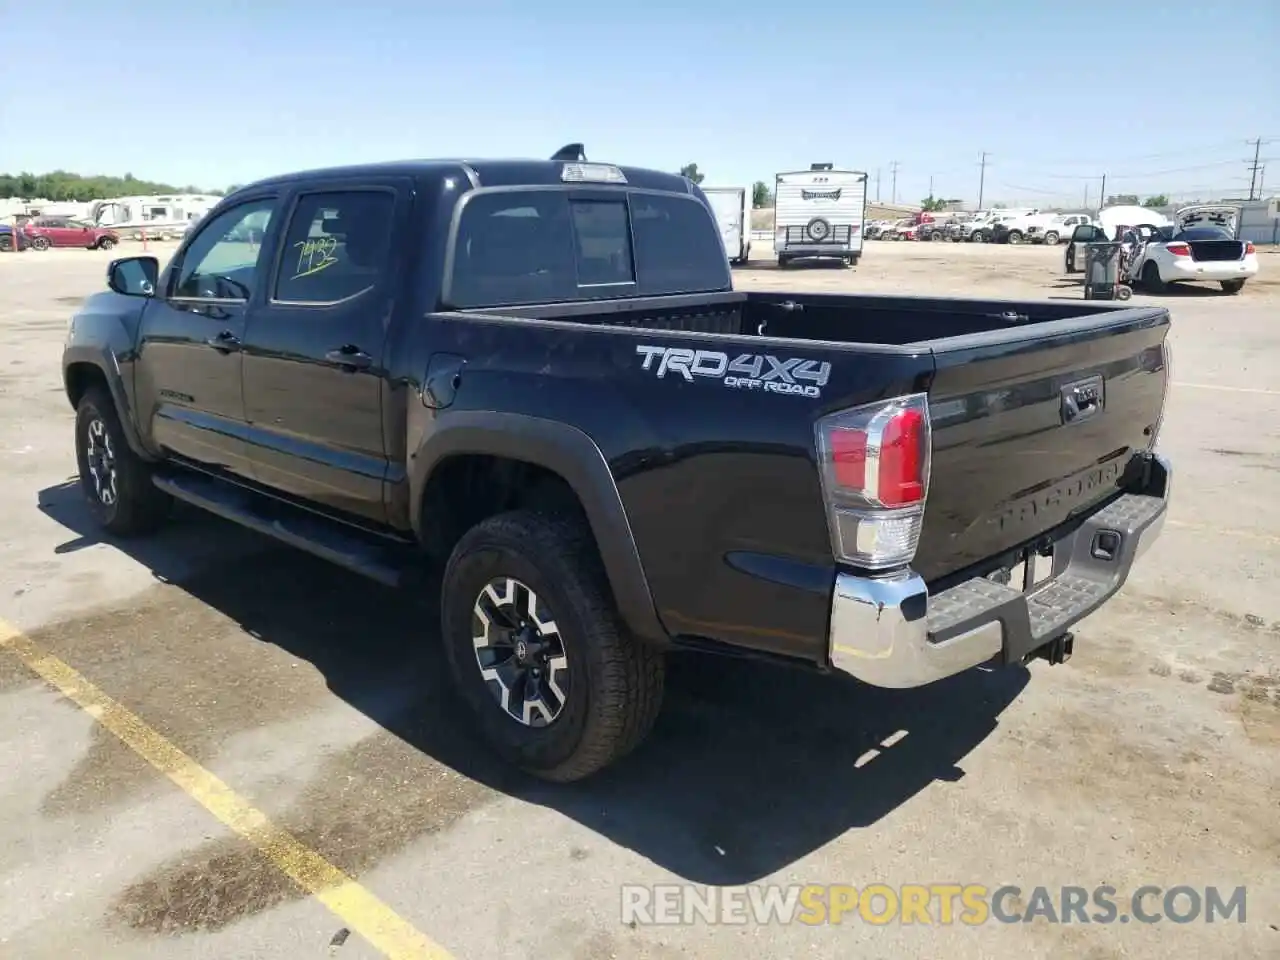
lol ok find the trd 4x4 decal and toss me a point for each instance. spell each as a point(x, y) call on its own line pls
point(746, 371)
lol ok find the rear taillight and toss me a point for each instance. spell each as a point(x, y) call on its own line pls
point(1248, 249)
point(874, 463)
point(1179, 249)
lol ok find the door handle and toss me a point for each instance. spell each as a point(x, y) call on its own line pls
point(349, 357)
point(225, 342)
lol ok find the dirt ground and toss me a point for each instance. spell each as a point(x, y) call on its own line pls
point(1152, 757)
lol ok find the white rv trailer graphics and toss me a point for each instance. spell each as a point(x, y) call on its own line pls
point(158, 215)
point(819, 213)
point(732, 209)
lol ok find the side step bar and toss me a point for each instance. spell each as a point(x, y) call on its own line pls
point(298, 528)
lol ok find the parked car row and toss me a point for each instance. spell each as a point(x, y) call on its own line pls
point(42, 233)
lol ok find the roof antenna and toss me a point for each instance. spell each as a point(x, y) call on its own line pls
point(571, 153)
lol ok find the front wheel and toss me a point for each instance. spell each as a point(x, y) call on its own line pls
point(538, 651)
point(40, 243)
point(1232, 287)
point(106, 243)
point(1070, 261)
point(116, 482)
point(1015, 237)
point(1051, 239)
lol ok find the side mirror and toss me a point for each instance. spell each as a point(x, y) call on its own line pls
point(134, 276)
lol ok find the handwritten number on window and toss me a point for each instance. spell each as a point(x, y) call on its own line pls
point(315, 255)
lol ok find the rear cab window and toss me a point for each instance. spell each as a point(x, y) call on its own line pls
point(550, 245)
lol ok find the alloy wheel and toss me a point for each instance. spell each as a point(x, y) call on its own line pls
point(520, 652)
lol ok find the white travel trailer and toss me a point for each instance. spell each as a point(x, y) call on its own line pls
point(167, 216)
point(732, 208)
point(819, 212)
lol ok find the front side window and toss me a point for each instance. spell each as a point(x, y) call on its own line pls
point(221, 262)
point(336, 246)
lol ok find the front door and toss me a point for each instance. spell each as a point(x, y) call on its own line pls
point(314, 371)
point(188, 377)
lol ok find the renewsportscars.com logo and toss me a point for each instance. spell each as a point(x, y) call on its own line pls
point(943, 904)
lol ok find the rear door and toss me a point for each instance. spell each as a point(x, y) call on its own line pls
point(314, 349)
point(1033, 425)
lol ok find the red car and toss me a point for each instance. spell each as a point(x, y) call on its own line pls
point(46, 232)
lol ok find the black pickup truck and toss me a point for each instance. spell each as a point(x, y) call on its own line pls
point(536, 376)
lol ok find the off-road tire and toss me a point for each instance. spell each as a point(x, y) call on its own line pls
point(138, 506)
point(615, 681)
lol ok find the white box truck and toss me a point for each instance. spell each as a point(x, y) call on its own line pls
point(732, 207)
point(819, 212)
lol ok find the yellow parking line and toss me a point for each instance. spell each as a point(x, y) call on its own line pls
point(360, 910)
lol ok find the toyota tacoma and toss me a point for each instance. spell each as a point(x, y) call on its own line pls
point(536, 378)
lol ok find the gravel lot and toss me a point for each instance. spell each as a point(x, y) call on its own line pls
point(1152, 757)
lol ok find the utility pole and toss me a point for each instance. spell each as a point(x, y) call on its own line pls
point(1102, 197)
point(1253, 168)
point(893, 169)
point(877, 184)
point(1262, 173)
point(930, 186)
point(982, 177)
point(1086, 194)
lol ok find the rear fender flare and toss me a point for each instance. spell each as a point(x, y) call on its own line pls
point(567, 451)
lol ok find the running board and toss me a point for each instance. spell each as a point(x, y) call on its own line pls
point(298, 528)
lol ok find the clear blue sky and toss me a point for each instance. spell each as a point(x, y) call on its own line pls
point(228, 91)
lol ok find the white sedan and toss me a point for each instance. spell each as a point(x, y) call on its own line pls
point(1202, 247)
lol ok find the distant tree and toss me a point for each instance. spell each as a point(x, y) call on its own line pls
point(63, 186)
point(930, 204)
point(1159, 200)
point(690, 170)
point(999, 206)
point(1122, 200)
point(761, 195)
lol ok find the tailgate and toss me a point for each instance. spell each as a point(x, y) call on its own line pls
point(1033, 426)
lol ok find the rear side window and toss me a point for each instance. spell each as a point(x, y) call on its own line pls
point(336, 246)
point(546, 246)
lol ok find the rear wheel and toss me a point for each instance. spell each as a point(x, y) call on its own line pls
point(1151, 278)
point(1015, 237)
point(538, 651)
point(106, 243)
point(6, 243)
point(1232, 286)
point(115, 480)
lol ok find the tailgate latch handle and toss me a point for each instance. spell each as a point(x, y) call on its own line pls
point(1082, 399)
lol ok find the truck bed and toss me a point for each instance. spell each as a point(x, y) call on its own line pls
point(720, 484)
